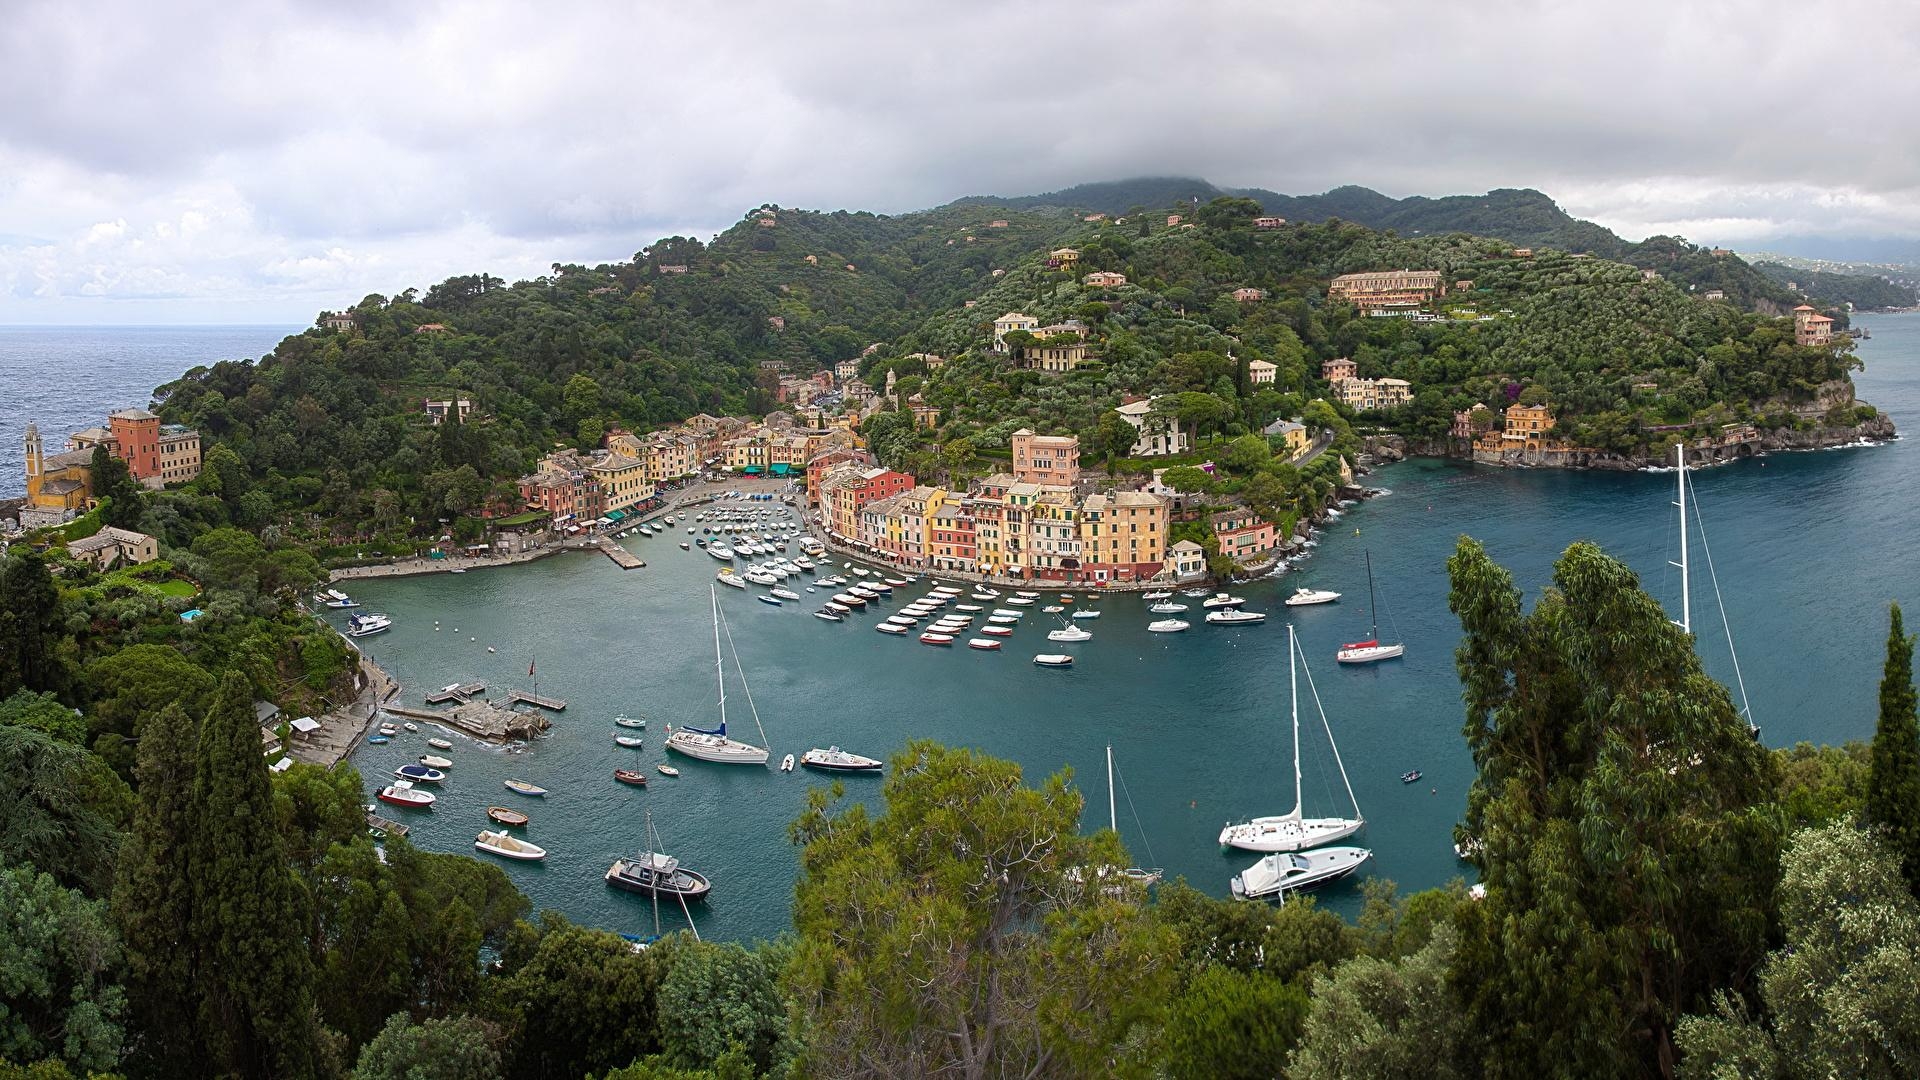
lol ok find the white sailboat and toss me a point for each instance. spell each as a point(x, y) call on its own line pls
point(1133, 873)
point(1685, 621)
point(1290, 831)
point(1370, 650)
point(713, 744)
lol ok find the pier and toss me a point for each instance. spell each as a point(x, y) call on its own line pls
point(522, 697)
point(481, 720)
point(458, 695)
point(386, 825)
point(624, 559)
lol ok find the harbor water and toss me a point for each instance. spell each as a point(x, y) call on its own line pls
point(1807, 550)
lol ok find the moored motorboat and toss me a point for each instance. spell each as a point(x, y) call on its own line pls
point(726, 576)
point(667, 770)
point(1167, 607)
point(1158, 594)
point(889, 628)
point(1069, 633)
point(1286, 872)
point(827, 615)
point(432, 762)
point(786, 763)
point(982, 643)
point(1085, 614)
point(1167, 626)
point(629, 722)
point(834, 759)
point(997, 631)
point(403, 793)
point(365, 625)
point(1410, 776)
point(631, 742)
point(1304, 596)
point(1235, 617)
point(420, 774)
point(439, 744)
point(934, 637)
point(376, 740)
point(1222, 600)
point(774, 600)
point(784, 594)
point(1053, 660)
point(503, 816)
point(521, 787)
point(509, 846)
point(656, 874)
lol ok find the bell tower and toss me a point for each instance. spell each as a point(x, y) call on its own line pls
point(34, 463)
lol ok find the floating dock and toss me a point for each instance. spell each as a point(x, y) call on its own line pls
point(624, 559)
point(522, 697)
point(458, 695)
point(386, 825)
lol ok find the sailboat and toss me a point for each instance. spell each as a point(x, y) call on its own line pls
point(1133, 873)
point(713, 744)
point(1366, 652)
point(1685, 621)
point(1291, 831)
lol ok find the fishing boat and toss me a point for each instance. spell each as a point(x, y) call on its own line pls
point(934, 637)
point(1053, 660)
point(1287, 872)
point(631, 742)
point(1304, 596)
point(987, 644)
point(1167, 607)
point(432, 762)
point(439, 744)
point(1370, 650)
point(997, 631)
point(626, 721)
point(502, 816)
point(359, 626)
point(656, 874)
point(631, 776)
point(1053, 609)
point(1222, 600)
point(1069, 632)
point(521, 787)
point(1291, 831)
point(1234, 617)
point(827, 615)
point(786, 763)
point(508, 846)
point(834, 759)
point(403, 793)
point(1410, 776)
point(420, 774)
point(1085, 614)
point(726, 576)
point(1167, 626)
point(713, 744)
point(667, 770)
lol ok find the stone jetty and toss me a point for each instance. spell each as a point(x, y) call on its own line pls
point(481, 720)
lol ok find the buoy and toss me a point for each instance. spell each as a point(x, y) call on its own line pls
point(473, 639)
point(489, 648)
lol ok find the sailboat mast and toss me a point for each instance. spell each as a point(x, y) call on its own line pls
point(1293, 687)
point(1113, 819)
point(719, 673)
point(653, 847)
point(1373, 608)
point(1686, 593)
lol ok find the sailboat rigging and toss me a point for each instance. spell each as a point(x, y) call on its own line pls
point(1370, 650)
point(1685, 621)
point(712, 744)
point(1290, 831)
point(1133, 873)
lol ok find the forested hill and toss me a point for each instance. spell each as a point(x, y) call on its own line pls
point(1836, 290)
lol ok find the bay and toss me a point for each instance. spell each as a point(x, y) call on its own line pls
point(1807, 548)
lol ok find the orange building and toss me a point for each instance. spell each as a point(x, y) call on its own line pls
point(1045, 459)
point(1810, 327)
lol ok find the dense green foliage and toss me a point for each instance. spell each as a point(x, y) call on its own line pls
point(1838, 290)
point(58, 962)
point(1893, 784)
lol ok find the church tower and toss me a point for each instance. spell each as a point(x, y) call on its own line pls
point(34, 465)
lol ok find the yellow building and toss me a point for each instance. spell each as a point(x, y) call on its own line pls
point(623, 481)
point(60, 486)
point(1365, 394)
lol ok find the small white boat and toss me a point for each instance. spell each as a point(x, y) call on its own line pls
point(969, 607)
point(934, 637)
point(1069, 633)
point(784, 594)
point(631, 742)
point(1285, 872)
point(439, 744)
point(774, 600)
point(720, 551)
point(1020, 601)
point(997, 631)
point(1167, 626)
point(982, 643)
point(834, 759)
point(411, 726)
point(827, 615)
point(1234, 617)
point(684, 546)
point(1086, 614)
point(1167, 607)
point(726, 576)
point(1222, 600)
point(403, 793)
point(367, 625)
point(1053, 609)
point(434, 762)
point(1028, 593)
point(629, 722)
point(1158, 594)
point(1002, 620)
point(508, 846)
point(521, 787)
point(667, 770)
point(786, 763)
point(837, 609)
point(1303, 596)
point(902, 620)
point(889, 628)
point(1053, 660)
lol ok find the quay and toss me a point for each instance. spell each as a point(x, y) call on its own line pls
point(386, 825)
point(481, 720)
point(459, 695)
point(522, 697)
point(624, 559)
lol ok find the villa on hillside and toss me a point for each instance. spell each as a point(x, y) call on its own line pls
point(1261, 373)
point(1367, 394)
point(1105, 279)
point(1387, 290)
point(1008, 323)
point(1810, 327)
point(1159, 435)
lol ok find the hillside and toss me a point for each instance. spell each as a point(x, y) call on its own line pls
point(1864, 291)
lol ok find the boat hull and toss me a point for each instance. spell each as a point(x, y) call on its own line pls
point(1292, 872)
point(1369, 654)
point(684, 884)
point(716, 749)
point(1287, 833)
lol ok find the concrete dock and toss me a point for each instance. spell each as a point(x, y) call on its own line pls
point(624, 559)
point(481, 720)
point(522, 697)
point(458, 695)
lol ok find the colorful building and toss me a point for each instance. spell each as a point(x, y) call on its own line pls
point(1245, 536)
point(1045, 459)
point(1158, 434)
point(1385, 290)
point(1365, 394)
point(1810, 327)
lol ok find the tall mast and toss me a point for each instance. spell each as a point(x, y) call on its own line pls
point(1373, 611)
point(719, 674)
point(1293, 687)
point(1113, 820)
point(1686, 595)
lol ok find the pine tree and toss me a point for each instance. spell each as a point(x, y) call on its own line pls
point(254, 973)
point(1893, 782)
point(29, 625)
point(152, 902)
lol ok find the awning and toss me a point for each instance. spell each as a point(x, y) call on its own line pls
point(780, 469)
point(616, 515)
point(306, 724)
point(750, 470)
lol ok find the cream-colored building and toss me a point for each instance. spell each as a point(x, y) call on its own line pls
point(1366, 394)
point(110, 547)
point(1159, 435)
point(1006, 324)
point(1261, 373)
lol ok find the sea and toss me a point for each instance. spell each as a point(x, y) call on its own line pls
point(1805, 550)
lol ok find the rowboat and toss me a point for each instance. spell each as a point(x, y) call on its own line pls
point(630, 776)
point(631, 742)
point(504, 816)
point(934, 638)
point(997, 631)
point(1053, 660)
point(667, 770)
point(982, 643)
point(521, 787)
point(432, 762)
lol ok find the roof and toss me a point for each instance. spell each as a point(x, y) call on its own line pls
point(97, 542)
point(1136, 408)
point(306, 724)
point(1282, 426)
point(1252, 364)
point(1185, 546)
point(264, 711)
point(67, 459)
point(60, 487)
point(132, 414)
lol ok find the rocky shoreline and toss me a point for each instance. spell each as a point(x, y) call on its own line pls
point(1382, 449)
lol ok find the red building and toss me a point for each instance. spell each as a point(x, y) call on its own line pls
point(1244, 535)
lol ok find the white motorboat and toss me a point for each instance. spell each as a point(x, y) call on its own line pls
point(631, 742)
point(837, 609)
point(508, 846)
point(1053, 609)
point(720, 551)
point(1028, 593)
point(1286, 872)
point(368, 624)
point(1167, 607)
point(850, 600)
point(1084, 614)
point(1053, 660)
point(434, 761)
point(1222, 600)
point(784, 594)
point(902, 620)
point(1235, 617)
point(1069, 633)
point(1167, 626)
point(1304, 596)
point(1004, 612)
point(1372, 649)
point(1158, 594)
point(1291, 831)
point(983, 644)
point(419, 774)
point(713, 744)
point(970, 607)
point(626, 721)
point(827, 615)
point(1002, 620)
point(935, 637)
point(726, 576)
point(786, 763)
point(439, 744)
point(1021, 601)
point(761, 577)
point(889, 628)
point(834, 759)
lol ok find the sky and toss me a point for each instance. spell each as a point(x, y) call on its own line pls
point(259, 162)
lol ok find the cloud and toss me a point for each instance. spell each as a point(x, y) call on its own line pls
point(267, 160)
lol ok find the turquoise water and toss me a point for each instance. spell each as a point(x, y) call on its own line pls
point(1808, 548)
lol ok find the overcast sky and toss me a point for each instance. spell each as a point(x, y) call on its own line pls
point(257, 162)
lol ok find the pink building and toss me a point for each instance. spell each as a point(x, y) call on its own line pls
point(1045, 459)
